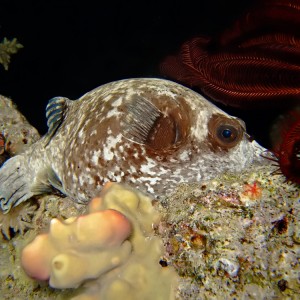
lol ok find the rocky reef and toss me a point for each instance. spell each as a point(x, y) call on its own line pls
point(234, 237)
point(15, 131)
point(16, 134)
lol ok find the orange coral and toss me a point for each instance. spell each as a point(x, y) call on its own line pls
point(253, 190)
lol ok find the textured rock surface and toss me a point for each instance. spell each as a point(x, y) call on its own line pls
point(235, 237)
point(224, 241)
point(17, 132)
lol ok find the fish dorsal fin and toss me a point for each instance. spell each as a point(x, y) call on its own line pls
point(55, 112)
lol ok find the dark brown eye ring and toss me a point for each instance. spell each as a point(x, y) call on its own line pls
point(225, 133)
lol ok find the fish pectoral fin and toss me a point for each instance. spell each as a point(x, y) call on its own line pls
point(141, 116)
point(55, 113)
point(47, 182)
point(15, 183)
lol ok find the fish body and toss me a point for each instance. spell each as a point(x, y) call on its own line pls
point(149, 133)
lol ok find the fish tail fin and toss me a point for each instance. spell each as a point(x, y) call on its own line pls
point(15, 183)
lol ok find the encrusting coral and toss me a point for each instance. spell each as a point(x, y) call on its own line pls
point(114, 244)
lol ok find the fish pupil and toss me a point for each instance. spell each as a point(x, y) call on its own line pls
point(226, 133)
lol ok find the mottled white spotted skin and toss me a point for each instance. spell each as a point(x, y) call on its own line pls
point(95, 142)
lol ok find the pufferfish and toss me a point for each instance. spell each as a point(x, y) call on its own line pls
point(149, 133)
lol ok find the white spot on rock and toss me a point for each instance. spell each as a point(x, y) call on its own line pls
point(229, 266)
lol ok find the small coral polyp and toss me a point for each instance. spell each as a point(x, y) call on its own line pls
point(253, 190)
point(111, 246)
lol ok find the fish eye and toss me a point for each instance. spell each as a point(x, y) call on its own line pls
point(225, 133)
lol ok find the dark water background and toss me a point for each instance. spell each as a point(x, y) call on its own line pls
point(71, 47)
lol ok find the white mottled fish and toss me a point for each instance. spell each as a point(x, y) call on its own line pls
point(149, 133)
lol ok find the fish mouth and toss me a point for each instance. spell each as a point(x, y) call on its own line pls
point(259, 153)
